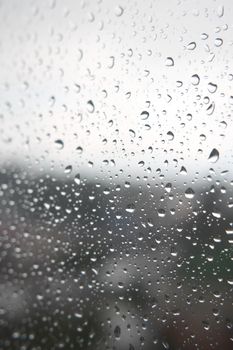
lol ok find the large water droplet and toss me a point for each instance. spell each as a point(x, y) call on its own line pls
point(59, 144)
point(90, 106)
point(191, 46)
point(214, 156)
point(189, 193)
point(195, 80)
point(130, 208)
point(119, 11)
point(170, 135)
point(212, 88)
point(218, 42)
point(144, 115)
point(220, 11)
point(169, 62)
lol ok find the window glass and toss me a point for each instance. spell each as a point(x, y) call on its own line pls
point(116, 174)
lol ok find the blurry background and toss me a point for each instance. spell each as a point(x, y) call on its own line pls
point(116, 224)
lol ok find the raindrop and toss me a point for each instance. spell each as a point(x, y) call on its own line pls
point(68, 169)
point(183, 171)
point(204, 36)
point(218, 42)
point(214, 156)
point(191, 46)
point(189, 193)
point(59, 144)
point(90, 106)
point(195, 80)
point(161, 213)
point(130, 208)
point(168, 187)
point(80, 54)
point(210, 109)
point(216, 214)
point(220, 11)
point(212, 88)
point(169, 62)
point(132, 133)
point(170, 135)
point(141, 163)
point(119, 11)
point(144, 115)
point(77, 179)
point(111, 62)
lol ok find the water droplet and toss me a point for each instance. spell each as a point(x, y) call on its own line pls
point(141, 163)
point(220, 11)
point(90, 106)
point(216, 214)
point(195, 80)
point(144, 115)
point(130, 208)
point(189, 193)
point(169, 62)
point(170, 135)
point(119, 11)
point(218, 42)
point(168, 187)
point(79, 150)
point(214, 156)
point(161, 213)
point(117, 332)
point(80, 54)
point(191, 46)
point(77, 179)
point(68, 169)
point(204, 36)
point(183, 171)
point(212, 88)
point(59, 144)
point(132, 133)
point(210, 109)
point(111, 62)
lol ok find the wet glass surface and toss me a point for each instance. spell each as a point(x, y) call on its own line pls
point(116, 185)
